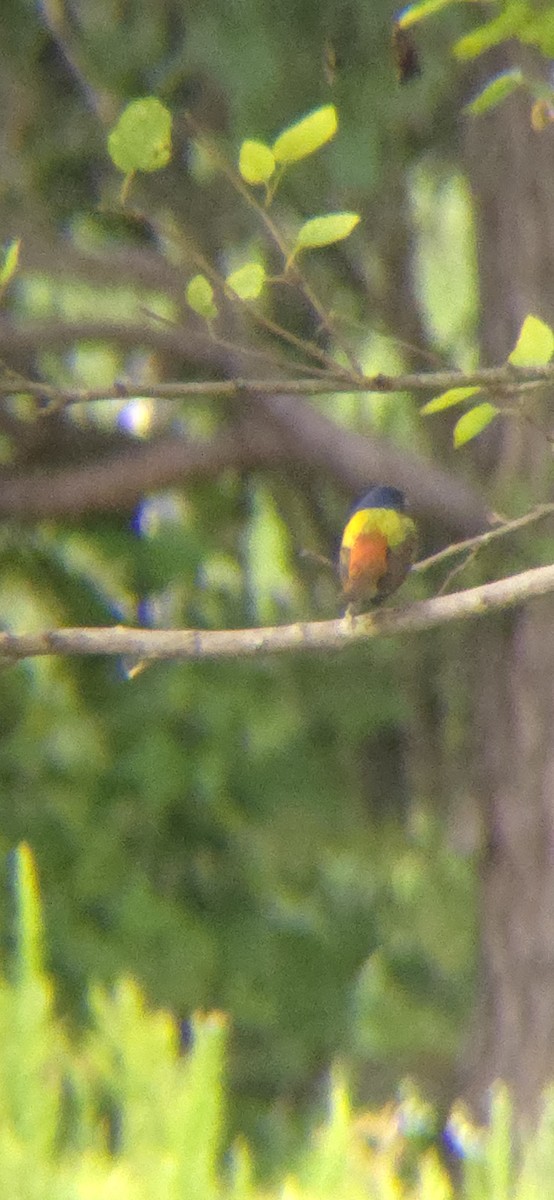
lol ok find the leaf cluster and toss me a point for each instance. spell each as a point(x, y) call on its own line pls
point(534, 348)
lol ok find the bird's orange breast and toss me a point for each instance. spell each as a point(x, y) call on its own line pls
point(368, 557)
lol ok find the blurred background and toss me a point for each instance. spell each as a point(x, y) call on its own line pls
point(294, 840)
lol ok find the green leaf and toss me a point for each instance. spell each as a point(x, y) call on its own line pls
point(323, 231)
point(509, 24)
point(200, 297)
point(141, 139)
point(256, 162)
point(11, 262)
point(418, 12)
point(29, 913)
point(448, 399)
point(248, 281)
point(501, 1143)
point(474, 422)
point(307, 135)
point(495, 91)
point(535, 344)
point(539, 31)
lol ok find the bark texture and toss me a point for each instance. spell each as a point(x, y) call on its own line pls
point(511, 169)
point(514, 1037)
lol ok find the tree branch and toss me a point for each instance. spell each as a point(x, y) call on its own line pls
point(476, 543)
point(189, 344)
point(497, 378)
point(195, 644)
point(118, 481)
point(301, 438)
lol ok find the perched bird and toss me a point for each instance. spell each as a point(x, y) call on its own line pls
point(379, 545)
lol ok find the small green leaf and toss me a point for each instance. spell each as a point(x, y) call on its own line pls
point(256, 162)
point(141, 139)
point(501, 1142)
point(323, 231)
point(495, 91)
point(417, 12)
point(248, 281)
point(534, 346)
point(307, 135)
point(29, 916)
point(474, 422)
point(11, 262)
point(510, 23)
point(200, 297)
point(448, 399)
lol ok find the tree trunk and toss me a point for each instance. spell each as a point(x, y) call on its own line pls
point(515, 707)
point(511, 170)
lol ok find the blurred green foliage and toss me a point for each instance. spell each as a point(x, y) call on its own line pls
point(268, 839)
point(236, 835)
point(123, 1110)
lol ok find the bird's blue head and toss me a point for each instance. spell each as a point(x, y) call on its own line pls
point(381, 497)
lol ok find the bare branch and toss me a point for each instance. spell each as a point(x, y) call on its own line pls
point(118, 481)
point(296, 436)
point(184, 341)
point(314, 439)
point(483, 539)
point(139, 267)
point(497, 378)
point(195, 644)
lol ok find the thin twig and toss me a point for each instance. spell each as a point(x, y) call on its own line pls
point(381, 384)
point(252, 202)
point(214, 339)
point(456, 571)
point(306, 347)
point(483, 539)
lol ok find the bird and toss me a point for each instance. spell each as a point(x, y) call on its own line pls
point(378, 547)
